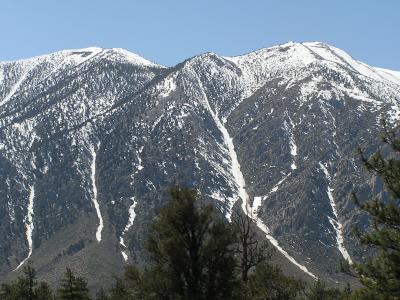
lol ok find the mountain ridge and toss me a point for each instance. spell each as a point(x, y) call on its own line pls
point(395, 73)
point(99, 141)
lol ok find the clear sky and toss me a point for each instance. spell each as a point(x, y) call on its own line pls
point(169, 31)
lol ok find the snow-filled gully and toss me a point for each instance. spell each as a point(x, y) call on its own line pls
point(132, 216)
point(29, 224)
point(253, 213)
point(335, 222)
point(241, 184)
point(132, 213)
point(293, 147)
point(94, 194)
point(17, 85)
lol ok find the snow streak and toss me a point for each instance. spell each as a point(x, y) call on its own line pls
point(253, 213)
point(17, 85)
point(274, 242)
point(235, 166)
point(293, 147)
point(94, 189)
point(29, 225)
point(335, 222)
point(132, 215)
point(241, 185)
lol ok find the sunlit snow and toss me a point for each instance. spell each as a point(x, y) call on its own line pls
point(132, 215)
point(335, 222)
point(94, 191)
point(29, 225)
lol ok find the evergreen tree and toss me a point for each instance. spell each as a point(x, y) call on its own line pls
point(72, 287)
point(269, 283)
point(191, 251)
point(29, 282)
point(133, 281)
point(319, 291)
point(102, 295)
point(43, 292)
point(26, 287)
point(381, 274)
point(129, 287)
point(119, 291)
point(7, 291)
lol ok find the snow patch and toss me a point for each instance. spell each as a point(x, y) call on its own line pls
point(167, 86)
point(342, 58)
point(394, 113)
point(94, 191)
point(29, 225)
point(335, 222)
point(393, 76)
point(140, 161)
point(125, 256)
point(132, 215)
point(134, 58)
point(289, 127)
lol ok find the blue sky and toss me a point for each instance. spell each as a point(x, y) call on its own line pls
point(169, 31)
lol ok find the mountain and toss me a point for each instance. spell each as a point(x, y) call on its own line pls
point(91, 140)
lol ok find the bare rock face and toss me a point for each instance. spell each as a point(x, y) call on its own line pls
point(91, 139)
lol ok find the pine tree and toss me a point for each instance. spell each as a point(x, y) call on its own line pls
point(26, 287)
point(133, 281)
point(29, 282)
point(102, 295)
point(119, 291)
point(72, 287)
point(7, 291)
point(269, 283)
point(43, 292)
point(381, 274)
point(319, 290)
point(191, 250)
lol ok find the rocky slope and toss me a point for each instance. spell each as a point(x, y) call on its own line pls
point(91, 139)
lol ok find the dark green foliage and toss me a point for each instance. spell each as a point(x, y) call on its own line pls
point(320, 291)
point(133, 282)
point(268, 282)
point(119, 290)
point(191, 248)
point(72, 287)
point(102, 295)
point(26, 287)
point(381, 274)
point(71, 250)
point(129, 287)
point(43, 292)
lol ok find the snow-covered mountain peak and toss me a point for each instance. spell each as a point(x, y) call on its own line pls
point(390, 75)
point(130, 57)
point(309, 52)
point(297, 61)
point(333, 54)
point(77, 55)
